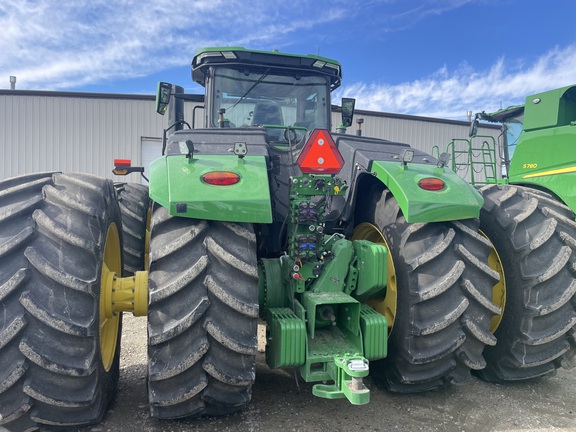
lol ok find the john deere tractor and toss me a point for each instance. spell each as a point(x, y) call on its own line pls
point(528, 183)
point(360, 255)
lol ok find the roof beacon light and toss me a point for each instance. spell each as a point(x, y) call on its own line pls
point(320, 154)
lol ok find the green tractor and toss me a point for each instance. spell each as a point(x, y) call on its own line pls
point(361, 255)
point(528, 181)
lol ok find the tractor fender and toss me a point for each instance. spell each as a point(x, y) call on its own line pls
point(456, 200)
point(176, 183)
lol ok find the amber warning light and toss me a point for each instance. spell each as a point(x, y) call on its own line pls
point(320, 154)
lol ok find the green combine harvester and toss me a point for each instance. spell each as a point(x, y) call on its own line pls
point(361, 255)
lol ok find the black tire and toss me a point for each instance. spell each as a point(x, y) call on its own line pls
point(535, 238)
point(444, 306)
point(134, 205)
point(52, 233)
point(202, 316)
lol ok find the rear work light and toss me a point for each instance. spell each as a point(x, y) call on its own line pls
point(320, 154)
point(221, 178)
point(431, 184)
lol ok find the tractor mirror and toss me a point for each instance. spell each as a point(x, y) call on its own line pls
point(473, 126)
point(163, 94)
point(347, 111)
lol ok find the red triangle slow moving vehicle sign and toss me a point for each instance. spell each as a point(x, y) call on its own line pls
point(320, 154)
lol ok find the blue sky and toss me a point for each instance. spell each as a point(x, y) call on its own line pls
point(436, 58)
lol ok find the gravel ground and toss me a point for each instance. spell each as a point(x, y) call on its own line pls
point(280, 404)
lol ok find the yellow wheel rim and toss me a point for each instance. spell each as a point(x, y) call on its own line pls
point(388, 304)
point(498, 290)
point(111, 267)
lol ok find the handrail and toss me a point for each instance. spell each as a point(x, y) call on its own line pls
point(476, 160)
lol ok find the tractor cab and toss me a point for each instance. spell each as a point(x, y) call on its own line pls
point(284, 94)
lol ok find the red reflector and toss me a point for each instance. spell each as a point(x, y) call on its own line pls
point(122, 162)
point(320, 154)
point(221, 178)
point(431, 184)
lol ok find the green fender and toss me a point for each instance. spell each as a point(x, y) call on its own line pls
point(456, 200)
point(176, 183)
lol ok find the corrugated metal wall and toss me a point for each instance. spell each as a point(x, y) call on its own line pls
point(71, 133)
point(420, 132)
point(75, 132)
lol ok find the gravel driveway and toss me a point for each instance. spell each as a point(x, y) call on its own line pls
point(279, 404)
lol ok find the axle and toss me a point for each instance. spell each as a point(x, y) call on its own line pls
point(125, 294)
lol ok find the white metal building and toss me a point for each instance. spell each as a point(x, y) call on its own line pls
point(85, 132)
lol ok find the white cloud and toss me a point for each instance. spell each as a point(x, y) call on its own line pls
point(67, 44)
point(70, 43)
point(450, 94)
point(415, 12)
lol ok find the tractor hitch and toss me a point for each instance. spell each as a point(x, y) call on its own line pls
point(348, 372)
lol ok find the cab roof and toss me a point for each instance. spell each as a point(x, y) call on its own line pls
point(275, 61)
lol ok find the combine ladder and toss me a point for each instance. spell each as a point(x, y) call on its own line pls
point(476, 164)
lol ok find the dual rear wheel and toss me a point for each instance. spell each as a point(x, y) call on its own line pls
point(496, 298)
point(60, 244)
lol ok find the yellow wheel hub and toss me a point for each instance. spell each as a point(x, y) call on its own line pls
point(109, 326)
point(388, 304)
point(117, 295)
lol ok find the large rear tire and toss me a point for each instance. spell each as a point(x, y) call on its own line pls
point(134, 207)
point(59, 358)
point(535, 238)
point(443, 289)
point(202, 319)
